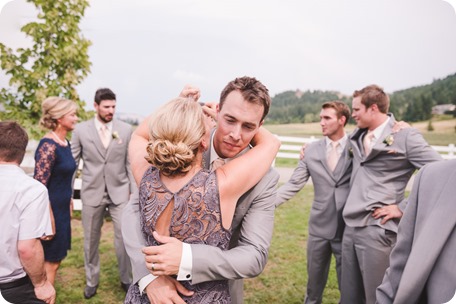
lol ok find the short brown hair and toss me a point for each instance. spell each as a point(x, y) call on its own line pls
point(373, 94)
point(13, 142)
point(251, 89)
point(104, 94)
point(340, 107)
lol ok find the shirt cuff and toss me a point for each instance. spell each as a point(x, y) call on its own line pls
point(142, 283)
point(186, 263)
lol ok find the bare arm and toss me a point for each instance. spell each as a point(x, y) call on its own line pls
point(137, 150)
point(248, 256)
point(32, 259)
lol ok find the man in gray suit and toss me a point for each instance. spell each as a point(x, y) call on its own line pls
point(329, 164)
point(252, 223)
point(107, 183)
point(383, 162)
point(422, 267)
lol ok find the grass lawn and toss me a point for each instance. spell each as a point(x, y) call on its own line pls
point(283, 280)
point(70, 281)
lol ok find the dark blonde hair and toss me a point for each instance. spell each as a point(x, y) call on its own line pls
point(373, 94)
point(54, 108)
point(252, 91)
point(340, 107)
point(175, 132)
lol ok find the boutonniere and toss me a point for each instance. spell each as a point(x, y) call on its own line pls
point(350, 152)
point(115, 135)
point(389, 140)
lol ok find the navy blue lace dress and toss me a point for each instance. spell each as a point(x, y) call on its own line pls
point(196, 219)
point(54, 167)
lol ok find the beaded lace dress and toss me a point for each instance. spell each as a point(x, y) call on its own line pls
point(196, 219)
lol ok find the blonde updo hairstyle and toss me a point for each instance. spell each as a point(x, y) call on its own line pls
point(54, 108)
point(175, 131)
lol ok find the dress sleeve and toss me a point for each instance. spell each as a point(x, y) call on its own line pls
point(44, 161)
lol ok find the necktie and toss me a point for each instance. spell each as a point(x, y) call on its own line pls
point(217, 163)
point(105, 136)
point(333, 156)
point(367, 142)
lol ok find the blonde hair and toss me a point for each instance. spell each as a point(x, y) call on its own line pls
point(54, 108)
point(175, 131)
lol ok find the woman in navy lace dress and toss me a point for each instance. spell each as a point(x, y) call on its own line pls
point(179, 198)
point(54, 167)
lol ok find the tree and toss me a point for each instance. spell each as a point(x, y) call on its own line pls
point(56, 63)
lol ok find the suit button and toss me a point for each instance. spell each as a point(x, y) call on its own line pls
point(362, 164)
point(337, 186)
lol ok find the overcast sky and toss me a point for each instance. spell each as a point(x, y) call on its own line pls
point(147, 50)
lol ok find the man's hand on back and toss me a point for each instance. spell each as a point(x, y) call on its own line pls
point(164, 289)
point(165, 258)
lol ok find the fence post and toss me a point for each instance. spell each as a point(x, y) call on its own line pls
point(451, 150)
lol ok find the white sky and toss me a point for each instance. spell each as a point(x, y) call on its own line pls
point(147, 50)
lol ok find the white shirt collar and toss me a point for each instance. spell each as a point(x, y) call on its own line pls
point(342, 141)
point(379, 130)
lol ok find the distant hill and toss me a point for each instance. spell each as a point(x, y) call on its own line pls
point(132, 119)
point(413, 104)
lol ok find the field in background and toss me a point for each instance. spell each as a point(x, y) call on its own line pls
point(444, 134)
point(444, 131)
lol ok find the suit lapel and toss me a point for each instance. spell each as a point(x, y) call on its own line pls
point(379, 145)
point(427, 247)
point(343, 163)
point(357, 142)
point(321, 150)
point(323, 159)
point(96, 137)
point(115, 128)
point(207, 153)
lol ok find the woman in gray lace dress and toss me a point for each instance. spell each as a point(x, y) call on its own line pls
point(179, 198)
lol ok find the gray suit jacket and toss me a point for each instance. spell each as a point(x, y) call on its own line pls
point(422, 264)
point(380, 178)
point(252, 225)
point(330, 188)
point(103, 168)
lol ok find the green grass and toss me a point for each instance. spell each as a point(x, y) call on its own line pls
point(283, 280)
point(70, 281)
point(285, 276)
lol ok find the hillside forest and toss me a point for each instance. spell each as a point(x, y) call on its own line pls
point(413, 104)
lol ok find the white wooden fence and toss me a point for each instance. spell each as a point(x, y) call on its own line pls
point(289, 149)
point(292, 145)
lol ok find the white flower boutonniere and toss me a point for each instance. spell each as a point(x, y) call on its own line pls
point(115, 135)
point(389, 140)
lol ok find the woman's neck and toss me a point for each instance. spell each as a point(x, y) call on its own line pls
point(60, 136)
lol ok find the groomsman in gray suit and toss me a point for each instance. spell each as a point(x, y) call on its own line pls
point(253, 220)
point(422, 264)
point(329, 164)
point(383, 162)
point(107, 182)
